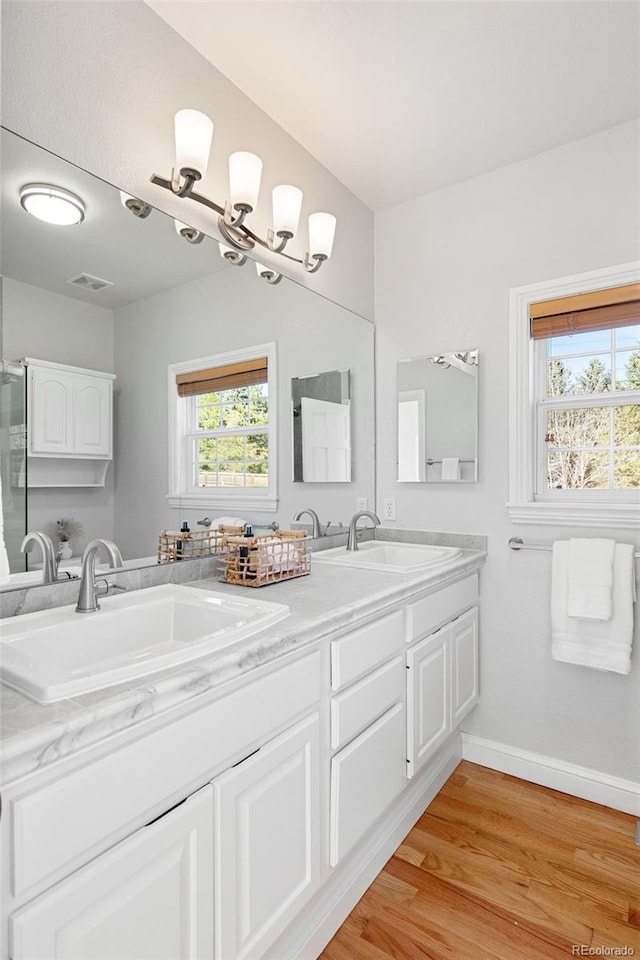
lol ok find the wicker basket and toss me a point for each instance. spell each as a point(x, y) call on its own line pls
point(186, 544)
point(263, 559)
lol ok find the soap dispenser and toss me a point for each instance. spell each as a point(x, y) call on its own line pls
point(180, 543)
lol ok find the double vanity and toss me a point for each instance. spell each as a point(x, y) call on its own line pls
point(236, 802)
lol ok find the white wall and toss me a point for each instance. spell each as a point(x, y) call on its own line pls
point(48, 326)
point(444, 266)
point(230, 310)
point(98, 83)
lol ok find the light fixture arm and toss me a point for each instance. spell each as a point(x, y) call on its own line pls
point(313, 262)
point(277, 246)
point(182, 182)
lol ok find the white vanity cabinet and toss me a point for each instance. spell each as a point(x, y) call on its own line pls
point(301, 777)
point(268, 841)
point(69, 411)
point(464, 665)
point(442, 668)
point(108, 861)
point(148, 898)
point(428, 698)
point(368, 722)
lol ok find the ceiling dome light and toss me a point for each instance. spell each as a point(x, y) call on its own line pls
point(52, 204)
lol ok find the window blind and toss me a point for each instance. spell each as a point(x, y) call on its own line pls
point(228, 377)
point(586, 312)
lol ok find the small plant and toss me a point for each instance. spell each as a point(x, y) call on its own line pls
point(66, 529)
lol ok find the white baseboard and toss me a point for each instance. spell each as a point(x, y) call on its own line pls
point(310, 933)
point(567, 777)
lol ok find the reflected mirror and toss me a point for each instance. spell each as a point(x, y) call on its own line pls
point(129, 296)
point(322, 427)
point(438, 418)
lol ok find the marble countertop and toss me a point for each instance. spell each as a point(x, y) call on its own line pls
point(35, 735)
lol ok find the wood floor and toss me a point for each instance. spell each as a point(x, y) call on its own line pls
point(500, 869)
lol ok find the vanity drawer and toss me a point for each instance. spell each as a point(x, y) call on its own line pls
point(365, 778)
point(361, 651)
point(365, 701)
point(59, 827)
point(425, 615)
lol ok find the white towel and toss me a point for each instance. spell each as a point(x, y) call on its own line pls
point(4, 559)
point(451, 468)
point(227, 522)
point(590, 577)
point(601, 644)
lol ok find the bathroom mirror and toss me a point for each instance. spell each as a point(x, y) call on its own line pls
point(322, 427)
point(438, 418)
point(165, 300)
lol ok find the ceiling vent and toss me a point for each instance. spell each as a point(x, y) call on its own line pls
point(86, 282)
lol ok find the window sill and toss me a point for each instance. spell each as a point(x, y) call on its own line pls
point(207, 501)
point(624, 515)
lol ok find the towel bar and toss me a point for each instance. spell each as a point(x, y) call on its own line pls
point(517, 543)
point(431, 462)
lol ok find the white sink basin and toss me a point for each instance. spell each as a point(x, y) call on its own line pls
point(389, 555)
point(60, 653)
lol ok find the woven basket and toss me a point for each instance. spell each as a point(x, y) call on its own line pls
point(182, 544)
point(259, 560)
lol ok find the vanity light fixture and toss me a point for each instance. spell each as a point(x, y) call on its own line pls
point(189, 233)
point(193, 133)
point(137, 207)
point(52, 204)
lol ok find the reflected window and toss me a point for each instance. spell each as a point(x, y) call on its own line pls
point(224, 444)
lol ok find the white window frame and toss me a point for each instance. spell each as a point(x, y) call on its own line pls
point(181, 494)
point(614, 508)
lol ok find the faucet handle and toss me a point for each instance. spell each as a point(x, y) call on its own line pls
point(105, 588)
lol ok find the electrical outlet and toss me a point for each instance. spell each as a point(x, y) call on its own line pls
point(362, 503)
point(389, 508)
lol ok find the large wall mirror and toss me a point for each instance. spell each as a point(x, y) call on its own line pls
point(165, 301)
point(438, 418)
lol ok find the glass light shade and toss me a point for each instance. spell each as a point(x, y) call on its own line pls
point(52, 204)
point(225, 251)
point(194, 131)
point(124, 198)
point(180, 226)
point(260, 268)
point(245, 171)
point(287, 201)
point(322, 228)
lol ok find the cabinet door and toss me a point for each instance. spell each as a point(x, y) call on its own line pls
point(428, 704)
point(365, 778)
point(267, 841)
point(51, 411)
point(149, 898)
point(91, 416)
point(464, 664)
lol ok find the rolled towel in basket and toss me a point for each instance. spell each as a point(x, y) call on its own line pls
point(280, 556)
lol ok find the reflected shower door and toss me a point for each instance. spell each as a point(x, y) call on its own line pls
point(13, 460)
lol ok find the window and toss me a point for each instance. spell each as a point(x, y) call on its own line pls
point(222, 441)
point(575, 400)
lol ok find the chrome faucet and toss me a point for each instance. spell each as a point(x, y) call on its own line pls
point(88, 597)
point(352, 538)
point(316, 529)
point(49, 558)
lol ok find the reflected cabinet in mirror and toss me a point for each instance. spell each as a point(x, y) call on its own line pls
point(438, 418)
point(322, 427)
point(134, 296)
